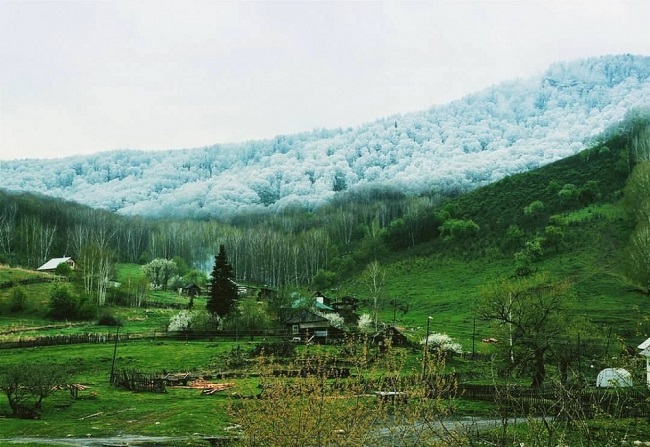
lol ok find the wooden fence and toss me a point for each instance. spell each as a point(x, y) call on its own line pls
point(28, 281)
point(138, 381)
point(109, 337)
point(70, 339)
point(620, 402)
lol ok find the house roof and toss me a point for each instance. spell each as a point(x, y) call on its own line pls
point(306, 316)
point(389, 330)
point(645, 345)
point(302, 302)
point(53, 263)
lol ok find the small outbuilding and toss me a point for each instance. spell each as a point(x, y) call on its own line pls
point(191, 290)
point(390, 335)
point(613, 378)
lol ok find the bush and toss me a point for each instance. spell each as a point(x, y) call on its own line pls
point(66, 306)
point(282, 349)
point(107, 319)
point(63, 269)
point(18, 301)
point(63, 305)
point(458, 229)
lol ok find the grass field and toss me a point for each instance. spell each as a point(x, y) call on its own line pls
point(103, 410)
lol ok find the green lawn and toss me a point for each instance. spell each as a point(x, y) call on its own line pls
point(103, 410)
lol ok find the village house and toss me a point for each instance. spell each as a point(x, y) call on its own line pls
point(309, 327)
point(347, 308)
point(390, 335)
point(51, 265)
point(191, 290)
point(322, 299)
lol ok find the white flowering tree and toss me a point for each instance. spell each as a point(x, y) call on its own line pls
point(180, 322)
point(365, 322)
point(335, 319)
point(192, 320)
point(443, 343)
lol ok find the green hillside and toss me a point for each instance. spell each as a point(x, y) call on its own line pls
point(581, 196)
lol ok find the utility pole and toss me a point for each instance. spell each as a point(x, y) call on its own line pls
point(473, 338)
point(117, 337)
point(579, 358)
point(426, 351)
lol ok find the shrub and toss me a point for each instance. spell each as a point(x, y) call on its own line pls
point(63, 305)
point(63, 269)
point(18, 301)
point(276, 349)
point(107, 319)
point(458, 229)
point(365, 322)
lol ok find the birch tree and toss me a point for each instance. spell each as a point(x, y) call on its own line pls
point(8, 228)
point(374, 277)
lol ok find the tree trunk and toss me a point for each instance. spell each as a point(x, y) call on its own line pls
point(540, 369)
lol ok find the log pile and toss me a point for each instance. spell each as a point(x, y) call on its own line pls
point(207, 388)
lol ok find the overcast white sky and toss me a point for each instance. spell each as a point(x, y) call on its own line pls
point(78, 77)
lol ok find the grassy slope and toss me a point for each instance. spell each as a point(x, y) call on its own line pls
point(444, 279)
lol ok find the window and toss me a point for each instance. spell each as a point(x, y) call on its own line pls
point(295, 329)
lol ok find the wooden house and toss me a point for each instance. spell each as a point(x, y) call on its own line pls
point(389, 334)
point(51, 265)
point(322, 299)
point(191, 290)
point(259, 293)
point(347, 308)
point(308, 326)
point(346, 304)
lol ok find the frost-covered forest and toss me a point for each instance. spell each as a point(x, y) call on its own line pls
point(508, 128)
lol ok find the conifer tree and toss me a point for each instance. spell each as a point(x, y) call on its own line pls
point(224, 290)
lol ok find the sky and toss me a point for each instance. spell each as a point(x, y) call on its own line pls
point(79, 77)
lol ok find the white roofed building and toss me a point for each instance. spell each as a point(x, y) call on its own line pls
point(51, 265)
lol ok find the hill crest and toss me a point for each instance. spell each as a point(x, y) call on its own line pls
point(509, 128)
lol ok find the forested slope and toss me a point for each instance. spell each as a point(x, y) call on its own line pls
point(509, 128)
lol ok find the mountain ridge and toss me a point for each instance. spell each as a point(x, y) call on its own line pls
point(511, 127)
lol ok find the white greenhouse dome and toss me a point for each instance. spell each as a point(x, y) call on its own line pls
point(613, 377)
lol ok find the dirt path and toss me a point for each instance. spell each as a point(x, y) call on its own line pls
point(115, 441)
point(442, 429)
